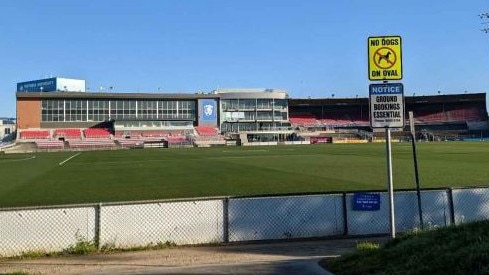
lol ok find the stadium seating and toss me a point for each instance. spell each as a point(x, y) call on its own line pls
point(303, 120)
point(92, 143)
point(328, 121)
point(97, 133)
point(361, 122)
point(176, 139)
point(130, 143)
point(206, 131)
point(469, 114)
point(35, 134)
point(360, 119)
point(207, 136)
point(430, 117)
point(50, 144)
point(154, 133)
point(147, 134)
point(67, 133)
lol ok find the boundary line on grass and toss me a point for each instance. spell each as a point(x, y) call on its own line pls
point(16, 160)
point(68, 159)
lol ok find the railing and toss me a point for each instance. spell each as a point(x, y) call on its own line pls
point(226, 219)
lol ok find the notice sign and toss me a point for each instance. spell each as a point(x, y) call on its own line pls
point(384, 58)
point(366, 202)
point(386, 105)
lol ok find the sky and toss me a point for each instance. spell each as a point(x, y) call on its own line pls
point(313, 48)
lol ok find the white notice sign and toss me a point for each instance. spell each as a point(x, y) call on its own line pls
point(386, 105)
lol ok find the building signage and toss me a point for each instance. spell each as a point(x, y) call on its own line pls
point(366, 202)
point(384, 58)
point(42, 85)
point(208, 110)
point(386, 105)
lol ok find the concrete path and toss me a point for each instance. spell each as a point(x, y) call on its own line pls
point(298, 257)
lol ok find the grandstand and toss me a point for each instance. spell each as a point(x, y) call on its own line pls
point(442, 117)
point(155, 120)
point(57, 120)
point(335, 112)
point(454, 116)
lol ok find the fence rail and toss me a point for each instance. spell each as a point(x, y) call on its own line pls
point(228, 219)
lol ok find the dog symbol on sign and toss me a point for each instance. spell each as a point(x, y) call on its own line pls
point(384, 57)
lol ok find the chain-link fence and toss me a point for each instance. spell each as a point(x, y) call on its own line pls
point(186, 222)
point(470, 205)
point(221, 220)
point(435, 212)
point(285, 217)
point(45, 230)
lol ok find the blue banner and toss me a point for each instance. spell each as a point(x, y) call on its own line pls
point(42, 85)
point(208, 110)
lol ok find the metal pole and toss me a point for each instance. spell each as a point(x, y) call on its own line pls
point(416, 174)
point(418, 192)
point(390, 184)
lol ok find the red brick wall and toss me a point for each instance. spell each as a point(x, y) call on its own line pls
point(28, 113)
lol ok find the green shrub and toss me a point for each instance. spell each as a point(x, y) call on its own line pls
point(82, 246)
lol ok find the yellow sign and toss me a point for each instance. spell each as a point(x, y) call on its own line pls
point(384, 58)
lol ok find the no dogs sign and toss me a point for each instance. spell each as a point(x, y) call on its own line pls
point(384, 58)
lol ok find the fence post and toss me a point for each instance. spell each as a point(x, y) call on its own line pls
point(345, 215)
point(225, 206)
point(451, 206)
point(98, 209)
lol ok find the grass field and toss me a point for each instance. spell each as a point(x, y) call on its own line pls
point(127, 175)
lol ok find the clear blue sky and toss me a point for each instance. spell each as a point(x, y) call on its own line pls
point(309, 48)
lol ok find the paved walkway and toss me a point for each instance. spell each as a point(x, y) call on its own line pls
point(263, 258)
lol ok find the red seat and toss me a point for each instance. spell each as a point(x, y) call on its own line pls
point(67, 133)
point(97, 133)
point(206, 131)
point(303, 120)
point(34, 134)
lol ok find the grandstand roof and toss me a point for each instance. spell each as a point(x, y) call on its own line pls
point(472, 97)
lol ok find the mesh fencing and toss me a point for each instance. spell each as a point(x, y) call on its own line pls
point(221, 220)
point(190, 222)
point(45, 230)
point(435, 212)
point(470, 205)
point(285, 217)
point(368, 222)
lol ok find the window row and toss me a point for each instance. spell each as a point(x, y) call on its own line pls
point(100, 110)
point(252, 104)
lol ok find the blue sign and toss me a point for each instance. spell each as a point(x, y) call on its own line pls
point(386, 89)
point(208, 110)
point(366, 202)
point(42, 85)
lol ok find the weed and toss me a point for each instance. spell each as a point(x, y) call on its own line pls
point(366, 246)
point(82, 246)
